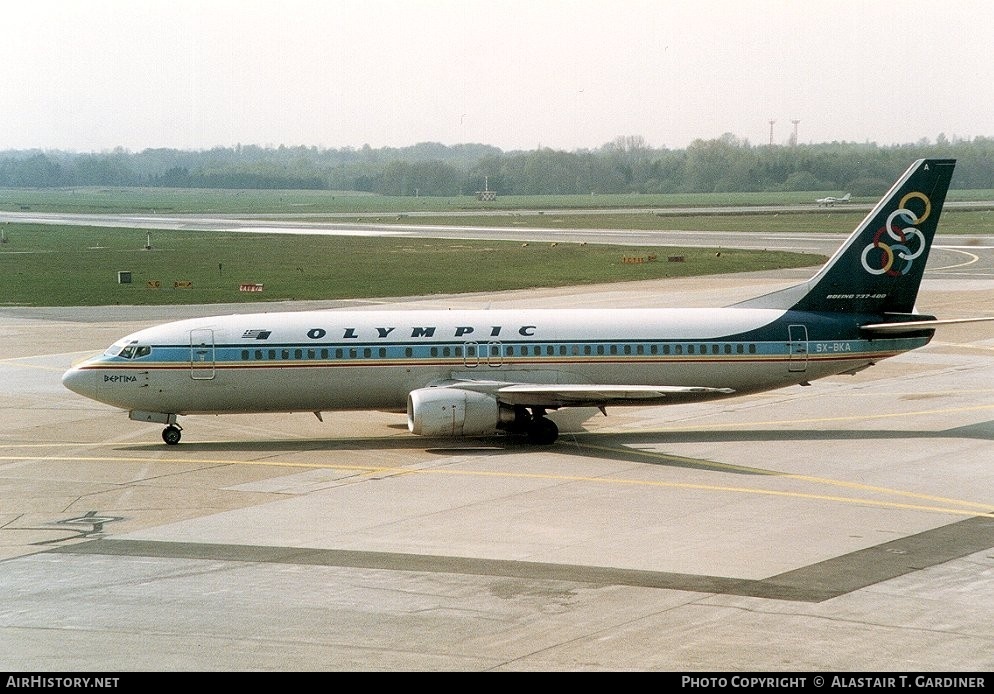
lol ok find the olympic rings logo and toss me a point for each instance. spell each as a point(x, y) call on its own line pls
point(890, 254)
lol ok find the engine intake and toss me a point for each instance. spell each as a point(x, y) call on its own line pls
point(455, 412)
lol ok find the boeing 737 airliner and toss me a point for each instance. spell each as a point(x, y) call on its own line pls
point(481, 372)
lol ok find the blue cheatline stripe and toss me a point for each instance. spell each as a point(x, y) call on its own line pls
point(454, 354)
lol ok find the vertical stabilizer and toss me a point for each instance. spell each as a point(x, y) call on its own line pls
point(880, 266)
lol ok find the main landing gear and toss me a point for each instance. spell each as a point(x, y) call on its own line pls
point(542, 431)
point(538, 429)
point(171, 434)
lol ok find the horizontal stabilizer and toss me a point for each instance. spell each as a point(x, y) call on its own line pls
point(916, 325)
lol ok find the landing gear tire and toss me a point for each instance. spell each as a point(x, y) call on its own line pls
point(171, 435)
point(542, 431)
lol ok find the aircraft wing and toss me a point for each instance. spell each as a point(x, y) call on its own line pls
point(553, 395)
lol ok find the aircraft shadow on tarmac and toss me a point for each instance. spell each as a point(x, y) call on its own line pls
point(604, 445)
point(981, 430)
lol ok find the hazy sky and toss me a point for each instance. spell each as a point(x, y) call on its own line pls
point(91, 75)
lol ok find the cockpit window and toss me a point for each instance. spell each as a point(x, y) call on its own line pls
point(128, 351)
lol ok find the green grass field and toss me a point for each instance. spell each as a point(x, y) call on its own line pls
point(77, 266)
point(316, 202)
point(291, 202)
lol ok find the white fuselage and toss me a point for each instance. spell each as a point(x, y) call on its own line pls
point(335, 360)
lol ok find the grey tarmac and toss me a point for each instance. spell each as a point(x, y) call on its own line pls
point(843, 526)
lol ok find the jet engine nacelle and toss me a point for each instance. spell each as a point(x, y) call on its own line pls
point(455, 412)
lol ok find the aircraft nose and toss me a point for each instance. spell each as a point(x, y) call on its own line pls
point(80, 381)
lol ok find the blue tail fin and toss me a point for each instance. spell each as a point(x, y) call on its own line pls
point(879, 268)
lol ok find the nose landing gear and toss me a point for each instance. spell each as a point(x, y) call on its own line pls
point(171, 434)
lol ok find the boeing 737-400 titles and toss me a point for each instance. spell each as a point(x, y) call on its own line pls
point(482, 372)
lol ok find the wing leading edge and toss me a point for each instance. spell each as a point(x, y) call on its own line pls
point(555, 395)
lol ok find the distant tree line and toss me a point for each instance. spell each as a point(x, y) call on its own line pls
point(626, 165)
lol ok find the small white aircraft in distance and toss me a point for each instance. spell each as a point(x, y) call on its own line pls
point(483, 372)
point(830, 201)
